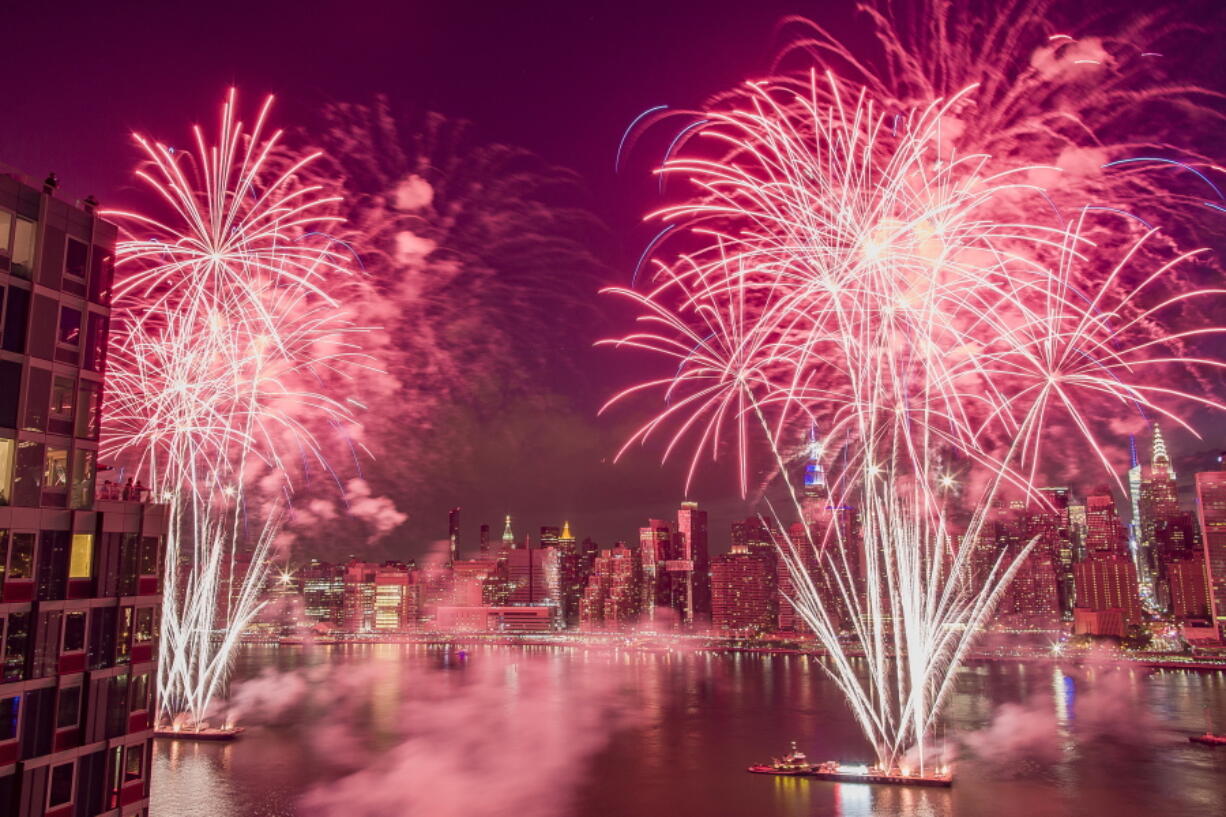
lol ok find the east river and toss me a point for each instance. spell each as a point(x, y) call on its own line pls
point(425, 731)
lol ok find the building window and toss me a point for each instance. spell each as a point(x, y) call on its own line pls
point(74, 631)
point(59, 792)
point(15, 317)
point(28, 473)
point(68, 709)
point(75, 257)
point(83, 478)
point(60, 416)
point(6, 227)
point(21, 556)
point(56, 474)
point(123, 642)
point(70, 327)
point(134, 762)
point(87, 411)
point(23, 248)
point(38, 399)
point(95, 350)
point(7, 448)
point(140, 692)
point(10, 714)
point(81, 561)
point(10, 392)
point(149, 556)
point(15, 647)
point(144, 625)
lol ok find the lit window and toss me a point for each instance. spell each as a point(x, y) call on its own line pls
point(23, 248)
point(21, 556)
point(144, 624)
point(61, 398)
point(55, 475)
point(7, 447)
point(81, 562)
point(134, 762)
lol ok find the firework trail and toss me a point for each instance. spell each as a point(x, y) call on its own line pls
point(841, 263)
point(233, 341)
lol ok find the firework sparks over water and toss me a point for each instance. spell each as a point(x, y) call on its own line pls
point(840, 260)
point(233, 343)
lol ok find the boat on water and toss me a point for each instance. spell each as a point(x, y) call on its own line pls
point(202, 733)
point(1209, 739)
point(795, 764)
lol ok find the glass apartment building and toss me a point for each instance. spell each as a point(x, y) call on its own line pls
point(79, 575)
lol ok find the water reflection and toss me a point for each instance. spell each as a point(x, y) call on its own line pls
point(698, 720)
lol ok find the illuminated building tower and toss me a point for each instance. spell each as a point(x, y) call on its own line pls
point(742, 593)
point(1191, 602)
point(485, 540)
point(1051, 524)
point(655, 548)
point(1077, 528)
point(789, 621)
point(612, 595)
point(80, 564)
point(453, 533)
point(394, 607)
point(508, 537)
point(815, 495)
point(571, 575)
point(470, 578)
point(1107, 599)
point(695, 574)
point(588, 551)
point(1211, 512)
point(1156, 500)
point(1031, 601)
point(533, 579)
point(323, 591)
point(1104, 536)
point(359, 599)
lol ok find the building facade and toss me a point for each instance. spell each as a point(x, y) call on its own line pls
point(80, 577)
point(1211, 512)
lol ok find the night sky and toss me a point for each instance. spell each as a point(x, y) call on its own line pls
point(561, 79)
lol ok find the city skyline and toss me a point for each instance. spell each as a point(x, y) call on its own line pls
point(574, 119)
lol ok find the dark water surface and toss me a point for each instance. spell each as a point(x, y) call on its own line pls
point(414, 730)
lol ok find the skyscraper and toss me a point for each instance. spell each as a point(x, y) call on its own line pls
point(508, 537)
point(453, 533)
point(80, 592)
point(1211, 511)
point(742, 593)
point(655, 548)
point(1107, 599)
point(1104, 536)
point(611, 599)
point(694, 548)
point(815, 495)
